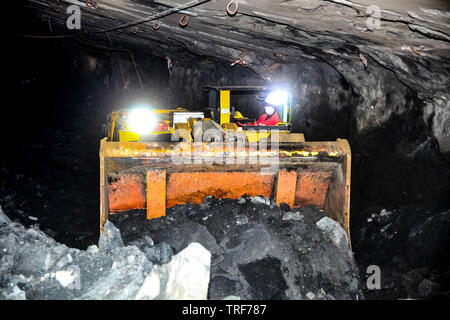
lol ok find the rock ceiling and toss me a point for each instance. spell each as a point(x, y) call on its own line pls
point(410, 38)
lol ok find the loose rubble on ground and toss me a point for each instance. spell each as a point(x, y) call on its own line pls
point(34, 266)
point(221, 249)
point(258, 250)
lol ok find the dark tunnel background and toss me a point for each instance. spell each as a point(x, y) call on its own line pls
point(62, 92)
point(74, 87)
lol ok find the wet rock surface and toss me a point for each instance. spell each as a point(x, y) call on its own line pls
point(258, 251)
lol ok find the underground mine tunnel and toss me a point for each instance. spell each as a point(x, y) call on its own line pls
point(101, 93)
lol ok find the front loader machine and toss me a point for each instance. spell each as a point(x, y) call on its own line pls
point(158, 175)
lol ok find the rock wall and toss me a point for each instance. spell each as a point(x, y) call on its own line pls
point(410, 245)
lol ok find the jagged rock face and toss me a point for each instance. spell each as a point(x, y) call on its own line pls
point(407, 38)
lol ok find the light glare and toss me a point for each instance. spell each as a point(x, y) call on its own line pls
point(141, 120)
point(277, 97)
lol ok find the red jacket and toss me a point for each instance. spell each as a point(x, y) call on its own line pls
point(268, 121)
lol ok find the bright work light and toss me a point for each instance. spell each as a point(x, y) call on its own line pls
point(277, 97)
point(141, 120)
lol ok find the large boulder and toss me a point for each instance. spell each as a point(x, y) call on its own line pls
point(186, 277)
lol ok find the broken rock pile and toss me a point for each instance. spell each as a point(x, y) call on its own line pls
point(259, 250)
point(34, 266)
point(221, 249)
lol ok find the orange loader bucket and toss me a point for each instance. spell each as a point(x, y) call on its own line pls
point(144, 175)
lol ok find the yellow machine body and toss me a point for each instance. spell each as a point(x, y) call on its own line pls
point(225, 107)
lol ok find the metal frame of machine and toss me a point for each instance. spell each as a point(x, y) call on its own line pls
point(143, 175)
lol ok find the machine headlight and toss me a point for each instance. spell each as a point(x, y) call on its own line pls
point(277, 97)
point(141, 120)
